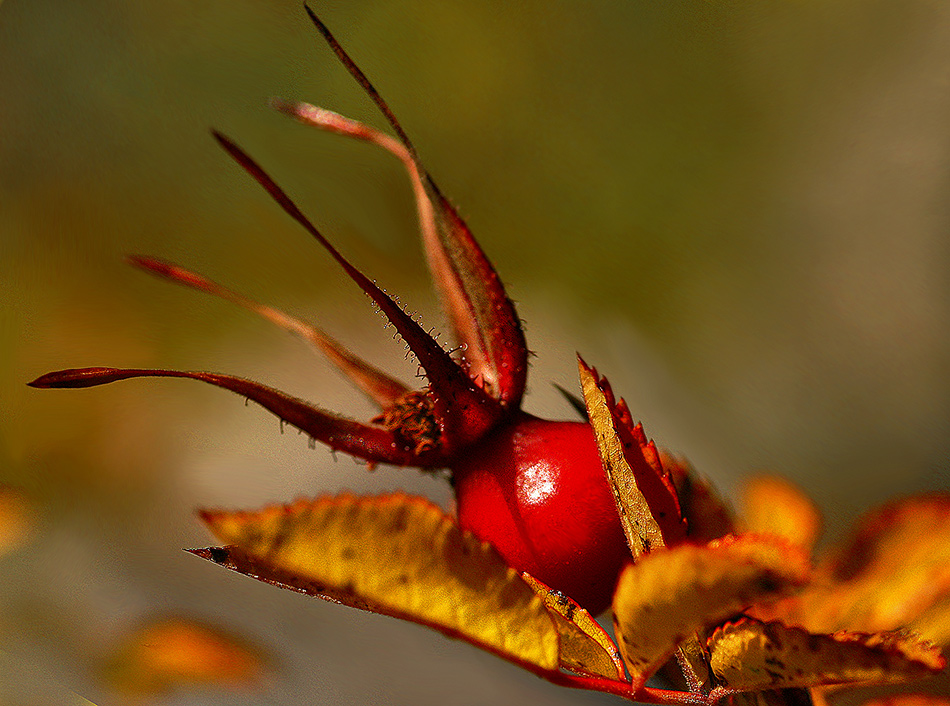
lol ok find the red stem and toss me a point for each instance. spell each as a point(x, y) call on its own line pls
point(629, 691)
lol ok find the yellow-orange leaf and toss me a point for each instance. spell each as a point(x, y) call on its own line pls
point(402, 556)
point(773, 505)
point(169, 652)
point(750, 655)
point(16, 518)
point(586, 648)
point(669, 595)
point(894, 573)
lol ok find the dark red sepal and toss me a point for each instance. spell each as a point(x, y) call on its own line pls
point(373, 443)
point(482, 316)
point(465, 412)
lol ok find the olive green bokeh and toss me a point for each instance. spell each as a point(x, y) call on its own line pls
point(737, 211)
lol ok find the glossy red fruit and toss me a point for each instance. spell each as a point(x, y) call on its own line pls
point(536, 490)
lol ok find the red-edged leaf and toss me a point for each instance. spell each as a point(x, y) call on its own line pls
point(396, 555)
point(751, 655)
point(586, 648)
point(464, 411)
point(646, 499)
point(482, 316)
point(671, 594)
point(365, 441)
point(378, 386)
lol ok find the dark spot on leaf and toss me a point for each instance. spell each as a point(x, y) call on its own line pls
point(219, 555)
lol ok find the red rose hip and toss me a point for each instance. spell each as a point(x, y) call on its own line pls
point(536, 490)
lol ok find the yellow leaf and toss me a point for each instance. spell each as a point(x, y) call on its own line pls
point(669, 595)
point(586, 648)
point(169, 652)
point(893, 573)
point(401, 556)
point(773, 505)
point(646, 500)
point(750, 655)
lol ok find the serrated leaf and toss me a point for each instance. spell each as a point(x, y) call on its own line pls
point(175, 651)
point(646, 500)
point(893, 573)
point(751, 655)
point(586, 648)
point(669, 595)
point(773, 505)
point(401, 556)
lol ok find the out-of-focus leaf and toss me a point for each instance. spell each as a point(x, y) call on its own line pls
point(16, 519)
point(171, 652)
point(669, 595)
point(894, 572)
point(646, 500)
point(401, 556)
point(751, 655)
point(586, 648)
point(708, 517)
point(773, 505)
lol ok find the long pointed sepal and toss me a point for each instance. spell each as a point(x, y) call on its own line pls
point(482, 316)
point(373, 443)
point(465, 412)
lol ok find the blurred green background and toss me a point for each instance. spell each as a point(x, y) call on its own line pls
point(738, 211)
